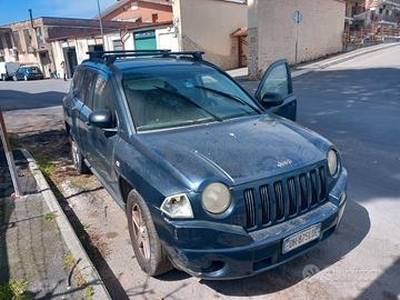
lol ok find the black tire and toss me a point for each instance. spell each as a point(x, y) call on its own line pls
point(144, 238)
point(77, 158)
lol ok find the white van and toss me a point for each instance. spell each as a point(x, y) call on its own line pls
point(8, 69)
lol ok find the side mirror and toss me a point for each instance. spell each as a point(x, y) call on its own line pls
point(271, 99)
point(101, 118)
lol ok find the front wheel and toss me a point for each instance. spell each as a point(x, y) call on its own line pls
point(144, 238)
point(77, 158)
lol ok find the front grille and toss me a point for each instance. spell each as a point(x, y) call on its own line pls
point(285, 198)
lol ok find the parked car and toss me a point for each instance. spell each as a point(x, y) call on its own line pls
point(8, 69)
point(214, 182)
point(28, 73)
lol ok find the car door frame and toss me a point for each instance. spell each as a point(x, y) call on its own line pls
point(288, 108)
point(84, 113)
point(101, 141)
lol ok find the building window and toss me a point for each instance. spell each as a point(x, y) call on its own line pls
point(9, 44)
point(17, 40)
point(117, 45)
point(154, 18)
point(28, 40)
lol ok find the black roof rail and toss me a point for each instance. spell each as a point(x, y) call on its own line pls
point(110, 56)
point(197, 55)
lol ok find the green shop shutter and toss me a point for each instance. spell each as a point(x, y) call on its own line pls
point(145, 40)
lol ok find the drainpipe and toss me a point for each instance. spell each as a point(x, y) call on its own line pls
point(30, 17)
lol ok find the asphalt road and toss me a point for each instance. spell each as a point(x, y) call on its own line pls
point(355, 104)
point(32, 106)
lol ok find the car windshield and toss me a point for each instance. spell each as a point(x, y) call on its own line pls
point(172, 96)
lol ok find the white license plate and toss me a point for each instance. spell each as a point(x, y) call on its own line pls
point(300, 238)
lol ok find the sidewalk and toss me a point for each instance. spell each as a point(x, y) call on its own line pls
point(241, 74)
point(36, 250)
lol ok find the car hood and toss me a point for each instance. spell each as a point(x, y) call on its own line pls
point(235, 151)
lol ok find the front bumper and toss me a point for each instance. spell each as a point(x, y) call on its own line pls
point(249, 253)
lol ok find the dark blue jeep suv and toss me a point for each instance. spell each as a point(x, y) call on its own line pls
point(214, 181)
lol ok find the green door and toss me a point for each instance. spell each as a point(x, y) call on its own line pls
point(145, 40)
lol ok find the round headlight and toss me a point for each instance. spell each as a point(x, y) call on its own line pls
point(216, 198)
point(333, 162)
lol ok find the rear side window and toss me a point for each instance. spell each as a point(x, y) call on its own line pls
point(76, 80)
point(82, 85)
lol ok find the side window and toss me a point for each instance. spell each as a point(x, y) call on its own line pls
point(76, 82)
point(82, 84)
point(277, 81)
point(86, 86)
point(103, 97)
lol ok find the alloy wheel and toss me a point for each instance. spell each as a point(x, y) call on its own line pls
point(140, 232)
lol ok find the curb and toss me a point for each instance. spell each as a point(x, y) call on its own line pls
point(334, 61)
point(71, 239)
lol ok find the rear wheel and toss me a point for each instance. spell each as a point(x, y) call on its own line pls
point(15, 78)
point(144, 238)
point(77, 159)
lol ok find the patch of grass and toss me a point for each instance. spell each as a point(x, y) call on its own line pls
point(79, 279)
point(46, 166)
point(50, 216)
point(89, 292)
point(15, 290)
point(68, 260)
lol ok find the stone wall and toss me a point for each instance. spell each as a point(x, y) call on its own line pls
point(273, 32)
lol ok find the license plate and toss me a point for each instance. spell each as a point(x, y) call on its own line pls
point(300, 238)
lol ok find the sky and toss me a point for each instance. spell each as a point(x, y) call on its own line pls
point(17, 10)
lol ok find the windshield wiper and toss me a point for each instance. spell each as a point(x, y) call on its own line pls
point(226, 95)
point(175, 92)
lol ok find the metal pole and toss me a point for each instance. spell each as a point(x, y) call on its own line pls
point(10, 159)
point(297, 43)
point(101, 23)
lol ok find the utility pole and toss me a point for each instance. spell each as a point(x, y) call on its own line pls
point(101, 23)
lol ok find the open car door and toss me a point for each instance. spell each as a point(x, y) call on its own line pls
point(275, 92)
